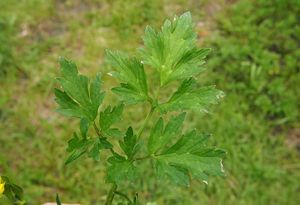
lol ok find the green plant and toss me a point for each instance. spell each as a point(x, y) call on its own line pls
point(6, 41)
point(13, 192)
point(257, 50)
point(174, 57)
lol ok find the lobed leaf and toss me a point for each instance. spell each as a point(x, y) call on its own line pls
point(200, 165)
point(120, 169)
point(12, 191)
point(159, 137)
point(129, 145)
point(77, 147)
point(99, 144)
point(80, 146)
point(188, 155)
point(190, 142)
point(172, 51)
point(176, 174)
point(189, 97)
point(108, 117)
point(78, 97)
point(130, 72)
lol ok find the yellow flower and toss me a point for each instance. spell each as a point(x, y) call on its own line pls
point(2, 184)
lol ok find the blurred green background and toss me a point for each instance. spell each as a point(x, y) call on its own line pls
point(255, 60)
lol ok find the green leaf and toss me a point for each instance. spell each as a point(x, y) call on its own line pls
point(95, 151)
point(76, 154)
point(130, 72)
point(114, 132)
point(188, 155)
point(159, 137)
point(58, 200)
point(12, 191)
point(18, 191)
point(68, 106)
point(110, 116)
point(84, 127)
point(80, 146)
point(75, 142)
point(189, 97)
point(200, 165)
point(120, 169)
point(172, 51)
point(129, 144)
point(104, 144)
point(155, 134)
point(79, 98)
point(177, 175)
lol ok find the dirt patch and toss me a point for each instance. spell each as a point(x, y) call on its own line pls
point(293, 139)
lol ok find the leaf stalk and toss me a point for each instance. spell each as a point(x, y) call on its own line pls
point(145, 123)
point(111, 194)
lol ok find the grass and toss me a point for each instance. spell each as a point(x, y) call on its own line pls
point(256, 47)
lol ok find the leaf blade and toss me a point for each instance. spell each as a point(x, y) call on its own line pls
point(189, 97)
point(172, 51)
point(130, 72)
point(79, 97)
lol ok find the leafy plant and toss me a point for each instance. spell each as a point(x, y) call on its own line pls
point(173, 55)
point(13, 192)
point(7, 42)
point(258, 65)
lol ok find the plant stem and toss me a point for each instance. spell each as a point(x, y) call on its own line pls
point(145, 122)
point(111, 194)
point(114, 186)
point(124, 196)
point(97, 130)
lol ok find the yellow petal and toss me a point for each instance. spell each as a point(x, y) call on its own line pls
point(2, 184)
